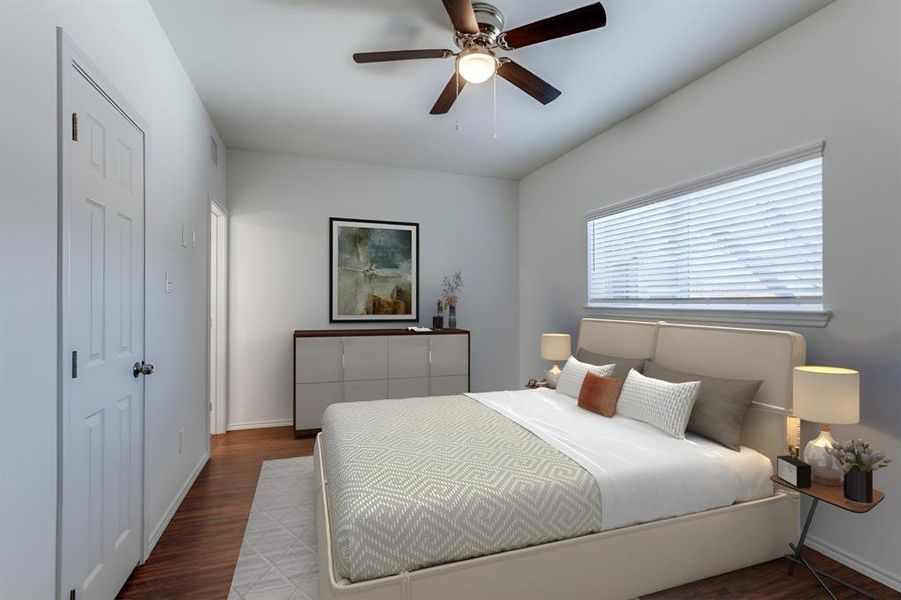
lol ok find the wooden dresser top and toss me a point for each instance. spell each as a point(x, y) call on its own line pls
point(373, 332)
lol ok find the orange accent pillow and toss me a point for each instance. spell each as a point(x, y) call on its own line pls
point(599, 394)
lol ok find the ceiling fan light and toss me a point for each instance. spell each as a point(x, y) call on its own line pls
point(477, 65)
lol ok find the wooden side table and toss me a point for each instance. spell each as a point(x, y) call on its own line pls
point(835, 496)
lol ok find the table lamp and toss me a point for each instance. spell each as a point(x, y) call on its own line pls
point(555, 347)
point(828, 396)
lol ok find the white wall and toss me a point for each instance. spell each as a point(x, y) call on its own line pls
point(128, 45)
point(279, 209)
point(835, 76)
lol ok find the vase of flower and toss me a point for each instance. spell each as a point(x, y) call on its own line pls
point(450, 295)
point(858, 462)
point(859, 485)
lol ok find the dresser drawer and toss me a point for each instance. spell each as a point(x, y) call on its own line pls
point(416, 387)
point(317, 360)
point(408, 356)
point(450, 355)
point(312, 400)
point(359, 391)
point(365, 358)
point(449, 385)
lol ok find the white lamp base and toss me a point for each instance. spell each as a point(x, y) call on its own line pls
point(552, 375)
point(824, 467)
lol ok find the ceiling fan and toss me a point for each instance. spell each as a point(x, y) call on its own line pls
point(479, 31)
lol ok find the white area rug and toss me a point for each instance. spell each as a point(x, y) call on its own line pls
point(278, 559)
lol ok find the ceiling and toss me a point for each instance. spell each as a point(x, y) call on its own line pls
point(277, 75)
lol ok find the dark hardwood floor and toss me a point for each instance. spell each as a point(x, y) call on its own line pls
point(196, 556)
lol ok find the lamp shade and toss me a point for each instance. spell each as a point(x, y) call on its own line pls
point(827, 395)
point(555, 346)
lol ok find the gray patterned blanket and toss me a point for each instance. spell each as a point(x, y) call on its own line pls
point(426, 481)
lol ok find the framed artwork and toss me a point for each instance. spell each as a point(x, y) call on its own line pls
point(374, 270)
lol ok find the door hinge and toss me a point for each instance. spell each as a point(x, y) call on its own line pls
point(74, 127)
point(211, 406)
point(74, 364)
point(71, 594)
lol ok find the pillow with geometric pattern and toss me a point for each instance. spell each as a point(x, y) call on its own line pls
point(570, 380)
point(666, 406)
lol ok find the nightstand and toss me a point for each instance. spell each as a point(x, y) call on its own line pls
point(539, 384)
point(835, 496)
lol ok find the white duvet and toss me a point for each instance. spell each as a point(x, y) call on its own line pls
point(643, 474)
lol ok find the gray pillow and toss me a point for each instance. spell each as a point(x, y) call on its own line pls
point(623, 365)
point(720, 407)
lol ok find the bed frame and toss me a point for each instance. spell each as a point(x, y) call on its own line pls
point(640, 559)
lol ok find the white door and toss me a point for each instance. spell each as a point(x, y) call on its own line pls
point(103, 412)
point(218, 313)
point(214, 324)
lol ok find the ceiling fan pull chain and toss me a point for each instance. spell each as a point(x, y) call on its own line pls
point(457, 125)
point(494, 108)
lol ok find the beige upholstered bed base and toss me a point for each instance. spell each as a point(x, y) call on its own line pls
point(641, 559)
point(622, 563)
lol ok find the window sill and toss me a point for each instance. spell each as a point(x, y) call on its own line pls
point(731, 316)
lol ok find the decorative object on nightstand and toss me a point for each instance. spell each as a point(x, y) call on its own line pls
point(555, 347)
point(793, 470)
point(793, 435)
point(790, 467)
point(829, 396)
point(830, 495)
point(450, 295)
point(858, 462)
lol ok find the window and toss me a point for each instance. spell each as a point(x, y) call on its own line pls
point(751, 239)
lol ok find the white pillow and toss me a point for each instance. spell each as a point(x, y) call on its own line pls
point(664, 405)
point(570, 380)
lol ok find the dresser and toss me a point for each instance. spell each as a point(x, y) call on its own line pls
point(352, 365)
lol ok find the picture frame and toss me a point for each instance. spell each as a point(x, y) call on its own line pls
point(373, 271)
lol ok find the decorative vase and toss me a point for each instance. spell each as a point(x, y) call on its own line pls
point(452, 317)
point(824, 468)
point(438, 322)
point(859, 485)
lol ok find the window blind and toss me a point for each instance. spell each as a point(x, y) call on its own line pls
point(753, 238)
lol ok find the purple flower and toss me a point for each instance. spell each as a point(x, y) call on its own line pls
point(857, 454)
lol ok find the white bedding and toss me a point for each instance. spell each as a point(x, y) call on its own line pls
point(643, 474)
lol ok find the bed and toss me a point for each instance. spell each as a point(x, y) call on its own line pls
point(553, 521)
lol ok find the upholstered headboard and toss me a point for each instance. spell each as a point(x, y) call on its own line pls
point(716, 352)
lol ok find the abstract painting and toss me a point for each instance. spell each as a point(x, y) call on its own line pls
point(374, 270)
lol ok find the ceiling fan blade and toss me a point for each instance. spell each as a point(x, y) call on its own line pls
point(462, 15)
point(528, 82)
point(448, 95)
point(582, 19)
point(370, 57)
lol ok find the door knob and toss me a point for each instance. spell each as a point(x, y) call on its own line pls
point(142, 368)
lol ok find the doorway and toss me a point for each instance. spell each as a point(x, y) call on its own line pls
point(101, 331)
point(218, 316)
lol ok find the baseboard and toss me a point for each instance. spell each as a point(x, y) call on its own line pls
point(879, 574)
point(259, 424)
point(173, 507)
